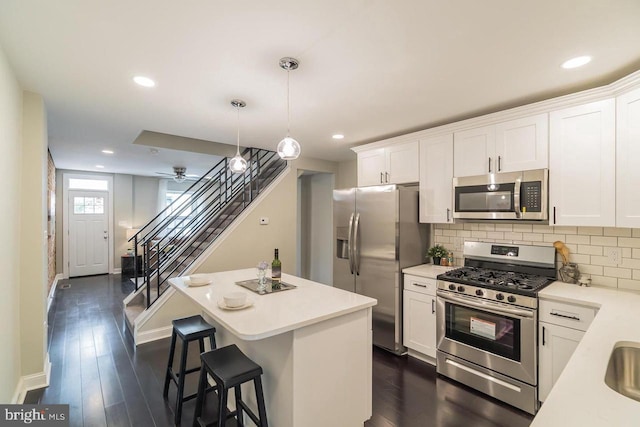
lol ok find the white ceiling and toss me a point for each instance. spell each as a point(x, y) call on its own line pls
point(368, 68)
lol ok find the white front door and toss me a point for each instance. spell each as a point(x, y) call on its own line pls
point(88, 233)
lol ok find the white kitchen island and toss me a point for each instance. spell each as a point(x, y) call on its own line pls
point(314, 344)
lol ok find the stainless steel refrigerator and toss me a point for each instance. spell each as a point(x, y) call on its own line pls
point(377, 234)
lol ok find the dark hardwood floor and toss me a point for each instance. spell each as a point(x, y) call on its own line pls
point(108, 382)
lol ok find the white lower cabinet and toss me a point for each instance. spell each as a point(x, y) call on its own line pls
point(419, 315)
point(560, 330)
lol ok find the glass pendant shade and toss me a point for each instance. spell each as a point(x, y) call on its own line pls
point(238, 164)
point(288, 149)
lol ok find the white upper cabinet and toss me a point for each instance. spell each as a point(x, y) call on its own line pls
point(436, 177)
point(473, 151)
point(628, 160)
point(371, 167)
point(394, 164)
point(523, 144)
point(582, 162)
point(511, 146)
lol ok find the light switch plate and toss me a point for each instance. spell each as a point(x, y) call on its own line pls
point(264, 220)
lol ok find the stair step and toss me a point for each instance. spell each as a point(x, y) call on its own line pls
point(131, 313)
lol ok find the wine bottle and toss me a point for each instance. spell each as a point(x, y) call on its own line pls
point(276, 271)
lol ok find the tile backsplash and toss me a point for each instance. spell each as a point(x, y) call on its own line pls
point(610, 256)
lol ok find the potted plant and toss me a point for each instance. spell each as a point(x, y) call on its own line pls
point(437, 252)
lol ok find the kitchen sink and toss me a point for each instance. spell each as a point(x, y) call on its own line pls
point(623, 371)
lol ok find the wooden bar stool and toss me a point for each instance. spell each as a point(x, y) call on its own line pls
point(188, 329)
point(230, 368)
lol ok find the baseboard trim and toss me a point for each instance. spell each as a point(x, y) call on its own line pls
point(117, 270)
point(32, 382)
point(52, 291)
point(143, 337)
point(423, 357)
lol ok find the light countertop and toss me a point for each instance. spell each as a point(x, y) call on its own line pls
point(271, 314)
point(426, 270)
point(580, 396)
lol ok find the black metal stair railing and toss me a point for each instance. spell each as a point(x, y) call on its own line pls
point(174, 238)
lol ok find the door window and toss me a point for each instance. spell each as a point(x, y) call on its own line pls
point(88, 205)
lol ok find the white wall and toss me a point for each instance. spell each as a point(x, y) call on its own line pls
point(33, 230)
point(145, 199)
point(251, 242)
point(347, 174)
point(122, 213)
point(10, 164)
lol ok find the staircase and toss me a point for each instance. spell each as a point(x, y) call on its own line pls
point(172, 241)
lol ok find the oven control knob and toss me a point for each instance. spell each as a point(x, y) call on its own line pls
point(499, 297)
point(479, 292)
point(511, 298)
point(460, 288)
point(452, 287)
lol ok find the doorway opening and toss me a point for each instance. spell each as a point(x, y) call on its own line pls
point(315, 226)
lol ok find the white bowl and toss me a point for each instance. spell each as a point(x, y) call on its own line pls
point(235, 299)
point(199, 279)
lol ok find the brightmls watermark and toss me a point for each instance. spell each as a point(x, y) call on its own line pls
point(34, 415)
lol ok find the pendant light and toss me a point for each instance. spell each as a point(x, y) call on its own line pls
point(238, 164)
point(288, 148)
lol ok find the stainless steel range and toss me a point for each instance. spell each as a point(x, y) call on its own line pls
point(487, 320)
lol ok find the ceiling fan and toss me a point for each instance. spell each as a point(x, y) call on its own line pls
point(180, 174)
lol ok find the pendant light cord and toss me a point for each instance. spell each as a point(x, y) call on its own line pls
point(288, 109)
point(238, 137)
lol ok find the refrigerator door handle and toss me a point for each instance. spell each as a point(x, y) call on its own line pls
point(356, 246)
point(350, 245)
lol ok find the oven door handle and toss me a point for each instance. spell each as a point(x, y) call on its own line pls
point(485, 306)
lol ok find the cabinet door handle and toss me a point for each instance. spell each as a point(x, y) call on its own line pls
point(386, 175)
point(489, 164)
point(499, 167)
point(381, 178)
point(565, 316)
point(554, 214)
point(543, 335)
point(448, 213)
point(422, 285)
point(433, 306)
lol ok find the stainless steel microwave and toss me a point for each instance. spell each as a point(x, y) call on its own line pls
point(503, 196)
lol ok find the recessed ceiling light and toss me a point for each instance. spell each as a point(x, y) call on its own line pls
point(576, 62)
point(338, 136)
point(100, 166)
point(107, 151)
point(144, 81)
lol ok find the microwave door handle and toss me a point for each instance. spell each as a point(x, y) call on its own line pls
point(350, 245)
point(516, 198)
